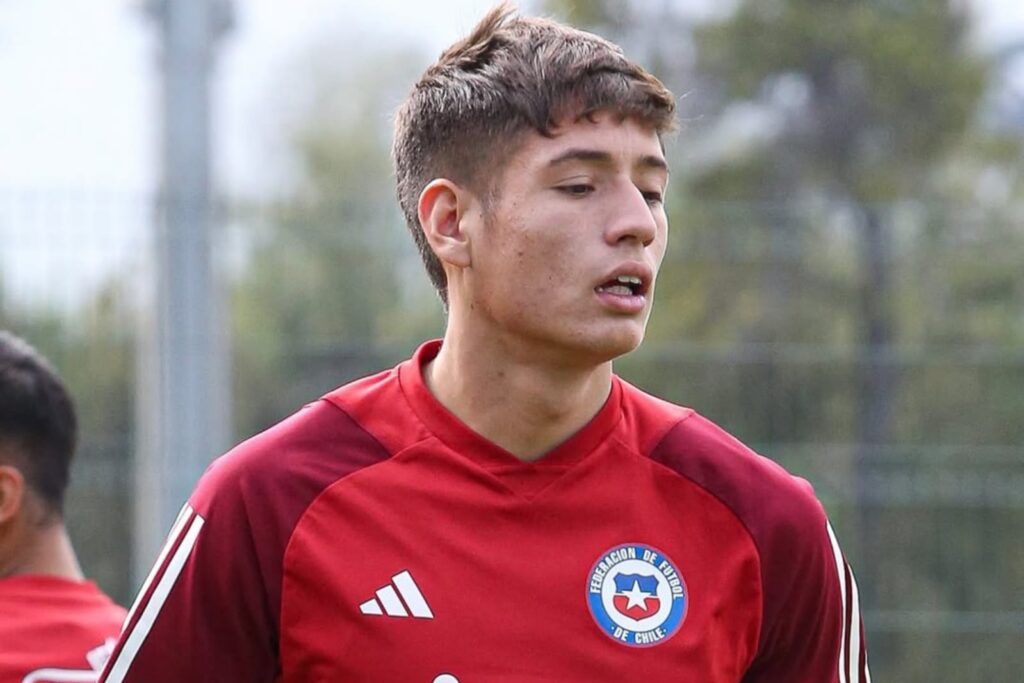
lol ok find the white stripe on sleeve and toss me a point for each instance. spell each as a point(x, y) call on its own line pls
point(855, 643)
point(172, 537)
point(841, 570)
point(156, 602)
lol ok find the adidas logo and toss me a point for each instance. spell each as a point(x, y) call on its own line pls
point(400, 598)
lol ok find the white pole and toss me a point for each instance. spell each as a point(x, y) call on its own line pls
point(184, 394)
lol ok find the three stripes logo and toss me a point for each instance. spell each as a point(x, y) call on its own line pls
point(400, 598)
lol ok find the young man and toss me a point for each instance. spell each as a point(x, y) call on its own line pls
point(55, 627)
point(501, 507)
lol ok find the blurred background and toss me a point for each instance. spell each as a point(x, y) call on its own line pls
point(197, 226)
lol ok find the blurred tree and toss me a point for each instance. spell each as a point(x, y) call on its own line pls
point(866, 97)
point(331, 288)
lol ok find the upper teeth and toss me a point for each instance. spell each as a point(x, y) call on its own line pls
point(628, 279)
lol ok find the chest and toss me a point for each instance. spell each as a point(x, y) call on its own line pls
point(457, 580)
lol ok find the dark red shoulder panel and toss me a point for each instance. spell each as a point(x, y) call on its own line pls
point(802, 615)
point(278, 474)
point(380, 406)
point(211, 607)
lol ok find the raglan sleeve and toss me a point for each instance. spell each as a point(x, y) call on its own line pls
point(811, 629)
point(207, 611)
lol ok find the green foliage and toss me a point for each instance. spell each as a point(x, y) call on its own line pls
point(591, 13)
point(331, 279)
point(890, 86)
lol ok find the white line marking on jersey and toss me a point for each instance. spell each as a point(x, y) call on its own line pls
point(99, 655)
point(849, 671)
point(841, 570)
point(394, 598)
point(156, 602)
point(854, 632)
point(183, 516)
point(61, 676)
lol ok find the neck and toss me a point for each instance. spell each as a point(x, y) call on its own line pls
point(45, 551)
point(525, 401)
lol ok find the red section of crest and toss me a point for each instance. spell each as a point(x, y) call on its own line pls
point(636, 611)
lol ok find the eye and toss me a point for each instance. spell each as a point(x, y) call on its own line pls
point(576, 189)
point(653, 197)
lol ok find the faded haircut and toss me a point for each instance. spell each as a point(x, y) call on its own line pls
point(38, 427)
point(512, 75)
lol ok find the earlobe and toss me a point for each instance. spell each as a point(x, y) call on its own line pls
point(12, 491)
point(442, 208)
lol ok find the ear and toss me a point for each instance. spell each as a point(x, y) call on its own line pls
point(443, 208)
point(12, 491)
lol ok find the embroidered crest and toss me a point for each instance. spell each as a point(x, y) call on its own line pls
point(636, 595)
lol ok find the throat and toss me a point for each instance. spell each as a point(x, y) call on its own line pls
point(527, 411)
point(532, 434)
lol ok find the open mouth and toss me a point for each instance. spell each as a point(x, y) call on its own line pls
point(624, 285)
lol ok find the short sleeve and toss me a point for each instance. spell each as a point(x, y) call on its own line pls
point(812, 630)
point(204, 612)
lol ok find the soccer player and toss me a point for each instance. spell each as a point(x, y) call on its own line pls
point(501, 508)
point(55, 627)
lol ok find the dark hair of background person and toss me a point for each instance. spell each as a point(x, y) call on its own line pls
point(38, 426)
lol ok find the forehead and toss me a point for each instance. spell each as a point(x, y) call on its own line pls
point(604, 138)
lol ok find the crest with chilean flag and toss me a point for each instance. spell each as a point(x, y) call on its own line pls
point(636, 595)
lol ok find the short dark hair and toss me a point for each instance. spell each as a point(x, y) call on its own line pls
point(37, 420)
point(512, 74)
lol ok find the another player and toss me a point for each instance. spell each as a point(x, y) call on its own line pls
point(501, 508)
point(55, 627)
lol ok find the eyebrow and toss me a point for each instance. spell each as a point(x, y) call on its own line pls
point(605, 158)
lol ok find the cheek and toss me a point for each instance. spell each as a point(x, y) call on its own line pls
point(540, 255)
point(507, 276)
point(539, 265)
point(529, 259)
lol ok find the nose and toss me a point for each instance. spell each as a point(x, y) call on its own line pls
point(631, 218)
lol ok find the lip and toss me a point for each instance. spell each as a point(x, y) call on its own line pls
point(635, 269)
point(631, 304)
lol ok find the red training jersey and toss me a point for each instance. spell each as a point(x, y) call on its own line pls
point(54, 630)
point(374, 538)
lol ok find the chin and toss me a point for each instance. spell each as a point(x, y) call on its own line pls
point(607, 345)
point(625, 345)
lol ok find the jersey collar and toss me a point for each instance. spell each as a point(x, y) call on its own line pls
point(460, 437)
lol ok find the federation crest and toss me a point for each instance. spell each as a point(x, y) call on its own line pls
point(636, 595)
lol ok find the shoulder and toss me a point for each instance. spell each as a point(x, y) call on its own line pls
point(800, 565)
point(777, 508)
point(292, 461)
point(760, 492)
point(53, 616)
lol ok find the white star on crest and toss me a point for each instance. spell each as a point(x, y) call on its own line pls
point(636, 597)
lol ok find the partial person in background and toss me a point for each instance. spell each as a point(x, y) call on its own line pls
point(501, 508)
point(55, 627)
